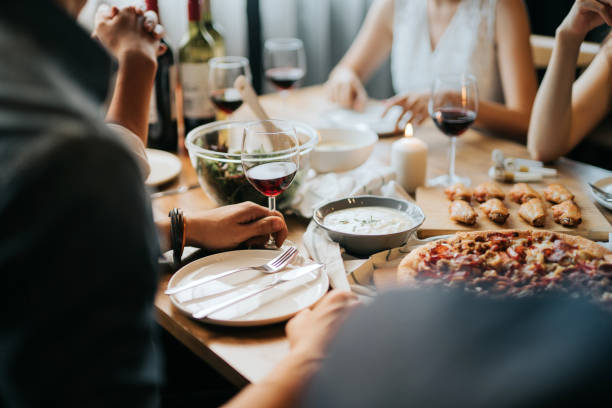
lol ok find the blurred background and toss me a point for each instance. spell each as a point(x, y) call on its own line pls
point(327, 28)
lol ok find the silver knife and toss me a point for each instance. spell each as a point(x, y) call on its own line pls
point(286, 277)
point(179, 190)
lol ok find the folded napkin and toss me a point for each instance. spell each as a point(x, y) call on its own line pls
point(369, 179)
point(323, 250)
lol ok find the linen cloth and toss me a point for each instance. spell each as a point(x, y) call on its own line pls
point(368, 179)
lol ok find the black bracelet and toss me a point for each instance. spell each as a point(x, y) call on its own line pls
point(177, 234)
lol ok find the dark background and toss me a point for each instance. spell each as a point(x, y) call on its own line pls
point(546, 15)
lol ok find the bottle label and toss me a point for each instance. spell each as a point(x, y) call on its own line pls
point(153, 117)
point(173, 74)
point(194, 78)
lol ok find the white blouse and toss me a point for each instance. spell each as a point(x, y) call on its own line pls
point(467, 46)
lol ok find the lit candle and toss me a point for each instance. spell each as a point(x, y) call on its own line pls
point(409, 160)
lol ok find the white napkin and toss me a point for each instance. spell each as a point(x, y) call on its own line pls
point(369, 179)
point(323, 250)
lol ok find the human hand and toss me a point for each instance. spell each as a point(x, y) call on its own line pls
point(417, 104)
point(129, 32)
point(585, 15)
point(229, 226)
point(345, 88)
point(310, 331)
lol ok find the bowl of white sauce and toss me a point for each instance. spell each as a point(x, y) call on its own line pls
point(341, 150)
point(365, 225)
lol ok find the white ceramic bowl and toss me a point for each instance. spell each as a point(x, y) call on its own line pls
point(342, 149)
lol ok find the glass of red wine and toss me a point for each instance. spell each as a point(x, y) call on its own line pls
point(453, 106)
point(284, 62)
point(222, 73)
point(270, 159)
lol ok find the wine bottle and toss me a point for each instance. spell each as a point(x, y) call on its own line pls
point(209, 27)
point(194, 55)
point(163, 132)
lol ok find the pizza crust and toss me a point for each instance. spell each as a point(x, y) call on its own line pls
point(407, 269)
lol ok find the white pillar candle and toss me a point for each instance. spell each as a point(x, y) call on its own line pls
point(409, 160)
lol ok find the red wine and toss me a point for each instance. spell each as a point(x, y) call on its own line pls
point(453, 121)
point(284, 77)
point(271, 179)
point(227, 100)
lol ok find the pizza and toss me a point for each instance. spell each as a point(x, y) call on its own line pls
point(512, 263)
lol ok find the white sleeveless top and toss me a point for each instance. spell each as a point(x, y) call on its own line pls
point(468, 45)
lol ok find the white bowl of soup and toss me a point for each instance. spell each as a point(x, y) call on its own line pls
point(365, 225)
point(341, 150)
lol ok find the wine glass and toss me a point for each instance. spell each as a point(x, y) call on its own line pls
point(223, 71)
point(453, 106)
point(284, 62)
point(270, 158)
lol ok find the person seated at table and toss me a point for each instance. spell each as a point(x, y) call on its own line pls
point(78, 245)
point(452, 349)
point(488, 38)
point(566, 110)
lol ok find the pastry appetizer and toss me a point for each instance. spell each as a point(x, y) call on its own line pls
point(557, 193)
point(522, 192)
point(495, 210)
point(488, 190)
point(567, 213)
point(461, 211)
point(533, 212)
point(458, 191)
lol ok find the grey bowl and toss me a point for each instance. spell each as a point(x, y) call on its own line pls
point(366, 245)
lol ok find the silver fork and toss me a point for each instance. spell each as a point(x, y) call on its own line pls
point(272, 266)
point(603, 194)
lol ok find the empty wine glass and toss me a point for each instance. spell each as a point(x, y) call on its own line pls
point(453, 106)
point(270, 158)
point(284, 62)
point(222, 74)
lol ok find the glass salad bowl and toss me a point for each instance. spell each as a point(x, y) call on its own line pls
point(214, 150)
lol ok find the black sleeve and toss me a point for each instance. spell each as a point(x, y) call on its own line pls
point(78, 257)
point(449, 349)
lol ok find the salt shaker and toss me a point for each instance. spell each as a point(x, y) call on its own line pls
point(409, 160)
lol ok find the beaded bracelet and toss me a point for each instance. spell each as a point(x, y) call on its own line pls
point(177, 234)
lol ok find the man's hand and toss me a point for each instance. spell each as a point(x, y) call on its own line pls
point(129, 32)
point(310, 331)
point(229, 226)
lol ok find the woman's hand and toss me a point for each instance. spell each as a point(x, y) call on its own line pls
point(416, 104)
point(585, 15)
point(229, 226)
point(129, 32)
point(310, 331)
point(345, 89)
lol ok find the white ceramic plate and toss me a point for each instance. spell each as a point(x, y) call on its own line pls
point(371, 118)
point(273, 306)
point(164, 167)
point(606, 185)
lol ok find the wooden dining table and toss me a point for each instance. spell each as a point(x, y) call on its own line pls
point(244, 355)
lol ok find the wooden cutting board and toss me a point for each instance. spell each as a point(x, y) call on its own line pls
point(434, 203)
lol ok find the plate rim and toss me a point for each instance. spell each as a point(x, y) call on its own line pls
point(169, 156)
point(602, 182)
point(242, 323)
